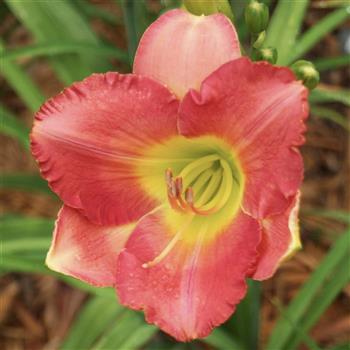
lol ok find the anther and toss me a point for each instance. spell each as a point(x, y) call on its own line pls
point(168, 176)
point(189, 196)
point(173, 189)
point(178, 185)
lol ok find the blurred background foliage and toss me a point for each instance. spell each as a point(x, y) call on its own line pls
point(46, 45)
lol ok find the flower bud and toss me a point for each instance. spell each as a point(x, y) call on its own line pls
point(256, 16)
point(306, 71)
point(268, 54)
point(208, 7)
point(259, 40)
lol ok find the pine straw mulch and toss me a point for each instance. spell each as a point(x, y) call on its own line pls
point(36, 311)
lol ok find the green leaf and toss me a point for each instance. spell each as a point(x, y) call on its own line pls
point(317, 32)
point(244, 324)
point(123, 332)
point(337, 282)
point(10, 263)
point(99, 312)
point(24, 265)
point(93, 11)
point(20, 82)
point(25, 242)
point(323, 95)
point(59, 21)
point(283, 332)
point(139, 337)
point(14, 227)
point(88, 288)
point(11, 126)
point(284, 28)
point(26, 182)
point(323, 64)
point(59, 48)
point(330, 114)
point(136, 19)
point(221, 340)
point(338, 215)
point(20, 245)
point(311, 344)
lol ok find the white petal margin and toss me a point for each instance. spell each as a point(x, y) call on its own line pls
point(280, 241)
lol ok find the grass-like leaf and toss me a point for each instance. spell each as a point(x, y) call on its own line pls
point(136, 19)
point(323, 95)
point(311, 344)
point(301, 304)
point(221, 340)
point(338, 215)
point(93, 11)
point(99, 312)
point(11, 126)
point(21, 245)
point(284, 27)
point(130, 329)
point(57, 48)
point(20, 82)
point(244, 324)
point(337, 282)
point(36, 265)
point(25, 242)
point(14, 227)
point(330, 114)
point(323, 64)
point(317, 32)
point(25, 182)
point(11, 263)
point(59, 21)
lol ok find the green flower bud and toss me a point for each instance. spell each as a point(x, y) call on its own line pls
point(259, 40)
point(306, 71)
point(268, 54)
point(208, 7)
point(256, 17)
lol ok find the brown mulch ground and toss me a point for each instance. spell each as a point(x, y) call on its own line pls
point(36, 311)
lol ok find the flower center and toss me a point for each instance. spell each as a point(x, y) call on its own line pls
point(204, 181)
point(202, 187)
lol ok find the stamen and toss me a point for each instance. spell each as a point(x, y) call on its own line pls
point(211, 188)
point(168, 176)
point(194, 169)
point(219, 198)
point(178, 185)
point(169, 246)
point(174, 189)
point(173, 200)
point(189, 197)
point(183, 204)
point(201, 180)
point(222, 196)
point(213, 197)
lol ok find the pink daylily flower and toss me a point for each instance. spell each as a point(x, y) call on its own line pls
point(180, 180)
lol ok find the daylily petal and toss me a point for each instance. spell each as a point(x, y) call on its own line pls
point(180, 49)
point(88, 141)
point(85, 250)
point(196, 286)
point(260, 110)
point(280, 239)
